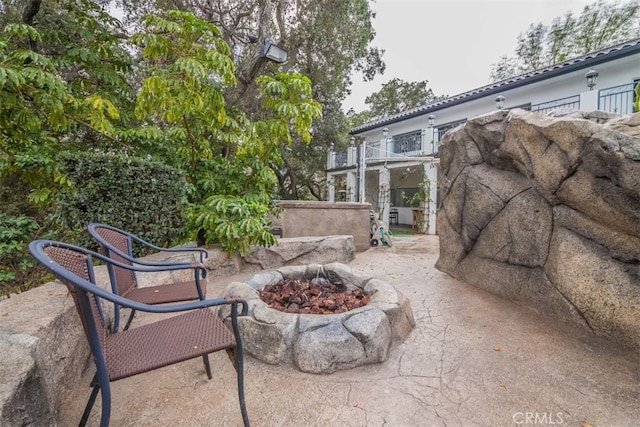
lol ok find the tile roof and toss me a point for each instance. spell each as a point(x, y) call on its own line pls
point(597, 57)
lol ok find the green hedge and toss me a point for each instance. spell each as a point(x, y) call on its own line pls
point(140, 196)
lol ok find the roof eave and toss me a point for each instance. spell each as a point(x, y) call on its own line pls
point(598, 58)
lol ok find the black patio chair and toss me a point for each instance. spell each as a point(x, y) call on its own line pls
point(393, 216)
point(117, 355)
point(118, 245)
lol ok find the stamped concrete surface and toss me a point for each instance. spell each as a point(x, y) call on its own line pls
point(472, 360)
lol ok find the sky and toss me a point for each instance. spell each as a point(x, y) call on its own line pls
point(450, 43)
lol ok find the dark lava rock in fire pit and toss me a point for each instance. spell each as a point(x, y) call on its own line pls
point(320, 343)
point(316, 296)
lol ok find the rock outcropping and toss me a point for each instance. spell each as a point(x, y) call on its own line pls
point(546, 211)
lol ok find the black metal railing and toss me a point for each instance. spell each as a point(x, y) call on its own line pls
point(568, 102)
point(406, 143)
point(617, 99)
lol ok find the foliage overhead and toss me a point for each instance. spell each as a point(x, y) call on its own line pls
point(71, 81)
point(600, 24)
point(396, 96)
point(226, 152)
point(327, 41)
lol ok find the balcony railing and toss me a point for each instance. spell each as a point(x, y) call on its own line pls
point(373, 151)
point(340, 159)
point(568, 102)
point(617, 99)
point(408, 144)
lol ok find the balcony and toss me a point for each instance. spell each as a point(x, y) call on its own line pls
point(424, 142)
point(617, 99)
point(568, 102)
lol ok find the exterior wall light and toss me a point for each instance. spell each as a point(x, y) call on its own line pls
point(499, 102)
point(591, 76)
point(431, 121)
point(271, 51)
point(385, 133)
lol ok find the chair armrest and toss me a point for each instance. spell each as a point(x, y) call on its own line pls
point(92, 230)
point(175, 308)
point(163, 308)
point(36, 248)
point(203, 253)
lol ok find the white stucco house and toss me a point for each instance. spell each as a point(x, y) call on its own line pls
point(401, 151)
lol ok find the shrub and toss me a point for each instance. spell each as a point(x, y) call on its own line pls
point(140, 196)
point(17, 270)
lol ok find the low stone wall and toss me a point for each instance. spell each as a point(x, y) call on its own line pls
point(302, 218)
point(43, 348)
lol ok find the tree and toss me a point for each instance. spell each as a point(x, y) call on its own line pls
point(70, 85)
point(58, 86)
point(396, 96)
point(599, 25)
point(225, 152)
point(55, 81)
point(326, 40)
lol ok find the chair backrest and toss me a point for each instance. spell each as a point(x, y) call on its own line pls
point(109, 238)
point(73, 266)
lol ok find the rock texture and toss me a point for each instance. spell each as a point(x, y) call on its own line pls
point(546, 211)
point(322, 343)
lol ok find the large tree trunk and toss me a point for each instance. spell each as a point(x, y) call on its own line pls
point(30, 11)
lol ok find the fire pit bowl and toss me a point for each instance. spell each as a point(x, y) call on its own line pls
point(322, 343)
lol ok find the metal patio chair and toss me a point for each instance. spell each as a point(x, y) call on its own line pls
point(118, 355)
point(118, 245)
point(393, 216)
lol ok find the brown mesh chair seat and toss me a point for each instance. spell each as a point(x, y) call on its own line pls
point(119, 245)
point(161, 294)
point(120, 354)
point(164, 343)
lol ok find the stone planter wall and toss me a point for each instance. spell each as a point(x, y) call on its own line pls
point(302, 218)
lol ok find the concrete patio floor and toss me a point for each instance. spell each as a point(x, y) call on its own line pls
point(472, 360)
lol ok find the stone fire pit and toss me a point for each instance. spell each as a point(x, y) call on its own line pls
point(322, 343)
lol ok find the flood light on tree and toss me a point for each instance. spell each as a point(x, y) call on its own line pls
point(271, 51)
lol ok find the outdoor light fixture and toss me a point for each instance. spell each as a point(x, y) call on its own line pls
point(352, 140)
point(591, 76)
point(432, 120)
point(385, 133)
point(499, 102)
point(271, 51)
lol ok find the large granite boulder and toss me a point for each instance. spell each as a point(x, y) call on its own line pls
point(546, 211)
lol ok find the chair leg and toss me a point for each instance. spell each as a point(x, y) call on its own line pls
point(133, 313)
point(90, 402)
point(207, 365)
point(240, 373)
